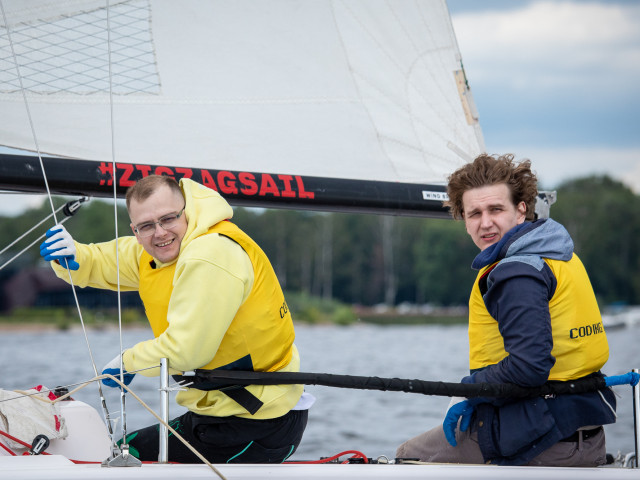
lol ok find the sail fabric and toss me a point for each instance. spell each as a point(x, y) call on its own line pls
point(29, 413)
point(357, 89)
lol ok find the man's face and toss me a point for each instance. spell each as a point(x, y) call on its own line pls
point(489, 213)
point(163, 243)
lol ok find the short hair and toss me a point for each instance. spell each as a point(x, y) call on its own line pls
point(145, 187)
point(488, 170)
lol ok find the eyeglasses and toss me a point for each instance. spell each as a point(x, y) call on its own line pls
point(167, 222)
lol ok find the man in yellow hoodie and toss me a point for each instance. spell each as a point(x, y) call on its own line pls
point(213, 302)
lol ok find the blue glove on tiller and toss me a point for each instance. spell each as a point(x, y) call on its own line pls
point(59, 246)
point(113, 368)
point(459, 407)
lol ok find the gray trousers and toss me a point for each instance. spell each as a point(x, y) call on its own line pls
point(432, 446)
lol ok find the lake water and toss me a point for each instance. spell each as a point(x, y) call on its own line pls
point(374, 423)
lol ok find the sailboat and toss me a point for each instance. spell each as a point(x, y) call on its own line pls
point(351, 106)
point(360, 106)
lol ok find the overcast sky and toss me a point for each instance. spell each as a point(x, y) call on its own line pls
point(554, 81)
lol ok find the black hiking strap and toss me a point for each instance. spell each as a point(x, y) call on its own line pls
point(218, 379)
point(243, 397)
point(237, 393)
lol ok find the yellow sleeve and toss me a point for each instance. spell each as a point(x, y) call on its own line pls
point(213, 277)
point(98, 267)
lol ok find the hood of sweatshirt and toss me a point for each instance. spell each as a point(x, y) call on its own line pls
point(204, 208)
point(544, 238)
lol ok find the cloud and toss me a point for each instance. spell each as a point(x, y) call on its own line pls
point(13, 204)
point(546, 45)
point(556, 81)
point(556, 165)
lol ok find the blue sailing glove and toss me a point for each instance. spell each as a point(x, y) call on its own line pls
point(113, 368)
point(631, 378)
point(458, 408)
point(59, 246)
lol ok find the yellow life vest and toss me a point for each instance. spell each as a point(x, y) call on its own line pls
point(262, 330)
point(579, 341)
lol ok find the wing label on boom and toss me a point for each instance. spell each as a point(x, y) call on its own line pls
point(436, 196)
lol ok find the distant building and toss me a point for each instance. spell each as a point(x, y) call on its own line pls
point(39, 287)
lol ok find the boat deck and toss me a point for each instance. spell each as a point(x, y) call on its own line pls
point(54, 467)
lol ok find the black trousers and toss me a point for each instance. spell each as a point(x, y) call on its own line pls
point(224, 439)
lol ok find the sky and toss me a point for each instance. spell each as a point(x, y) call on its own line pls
point(555, 81)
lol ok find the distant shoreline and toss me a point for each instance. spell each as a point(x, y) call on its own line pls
point(52, 327)
point(17, 326)
point(28, 327)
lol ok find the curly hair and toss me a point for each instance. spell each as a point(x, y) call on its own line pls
point(145, 187)
point(488, 170)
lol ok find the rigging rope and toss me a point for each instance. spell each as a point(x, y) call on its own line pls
point(49, 196)
point(98, 379)
point(69, 208)
point(115, 222)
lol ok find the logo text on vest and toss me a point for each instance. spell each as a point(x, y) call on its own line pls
point(283, 309)
point(586, 331)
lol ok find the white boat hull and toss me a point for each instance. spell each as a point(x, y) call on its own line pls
point(54, 467)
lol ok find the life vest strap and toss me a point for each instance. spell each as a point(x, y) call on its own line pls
point(243, 397)
point(237, 393)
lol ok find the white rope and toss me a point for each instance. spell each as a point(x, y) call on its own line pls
point(115, 219)
point(44, 175)
point(39, 239)
point(98, 378)
point(74, 205)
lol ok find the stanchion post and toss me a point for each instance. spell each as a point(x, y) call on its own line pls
point(163, 451)
point(636, 417)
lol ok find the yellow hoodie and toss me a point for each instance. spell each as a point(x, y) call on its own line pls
point(213, 278)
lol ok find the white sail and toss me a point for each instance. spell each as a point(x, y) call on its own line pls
point(361, 89)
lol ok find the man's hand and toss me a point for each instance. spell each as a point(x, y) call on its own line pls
point(458, 408)
point(113, 368)
point(59, 246)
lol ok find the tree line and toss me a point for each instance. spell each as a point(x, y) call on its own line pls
point(371, 259)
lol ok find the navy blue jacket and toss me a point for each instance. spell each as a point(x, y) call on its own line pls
point(513, 432)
